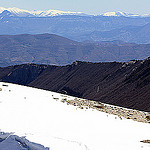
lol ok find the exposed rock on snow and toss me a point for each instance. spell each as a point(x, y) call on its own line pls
point(146, 141)
point(119, 111)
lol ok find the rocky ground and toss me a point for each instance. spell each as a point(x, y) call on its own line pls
point(120, 112)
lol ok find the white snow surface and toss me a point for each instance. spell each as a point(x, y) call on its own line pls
point(47, 13)
point(119, 14)
point(38, 13)
point(43, 119)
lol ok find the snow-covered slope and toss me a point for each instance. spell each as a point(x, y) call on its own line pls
point(53, 13)
point(43, 118)
point(37, 13)
point(119, 13)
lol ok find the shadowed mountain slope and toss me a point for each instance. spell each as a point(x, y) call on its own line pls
point(51, 49)
point(122, 84)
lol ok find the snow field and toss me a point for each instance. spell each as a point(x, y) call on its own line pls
point(42, 118)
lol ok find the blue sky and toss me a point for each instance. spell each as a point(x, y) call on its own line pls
point(86, 6)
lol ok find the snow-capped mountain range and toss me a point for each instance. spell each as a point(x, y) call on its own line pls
point(39, 13)
point(119, 14)
point(77, 26)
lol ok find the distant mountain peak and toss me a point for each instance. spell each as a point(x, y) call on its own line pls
point(48, 13)
point(2, 9)
point(38, 13)
point(6, 13)
point(119, 14)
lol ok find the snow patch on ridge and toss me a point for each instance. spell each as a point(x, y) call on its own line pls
point(119, 14)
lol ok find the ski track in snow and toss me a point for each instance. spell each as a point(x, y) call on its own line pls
point(42, 118)
point(76, 142)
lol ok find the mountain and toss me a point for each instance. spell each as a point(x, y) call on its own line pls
point(74, 25)
point(45, 48)
point(133, 34)
point(51, 49)
point(123, 14)
point(37, 13)
point(120, 84)
point(59, 121)
point(48, 13)
point(120, 14)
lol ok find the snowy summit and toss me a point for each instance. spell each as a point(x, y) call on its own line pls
point(37, 13)
point(119, 14)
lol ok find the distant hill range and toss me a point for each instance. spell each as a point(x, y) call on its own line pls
point(121, 84)
point(77, 26)
point(56, 50)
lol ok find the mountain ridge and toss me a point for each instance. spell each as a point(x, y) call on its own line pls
point(79, 27)
point(121, 84)
point(52, 49)
point(16, 12)
point(48, 13)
